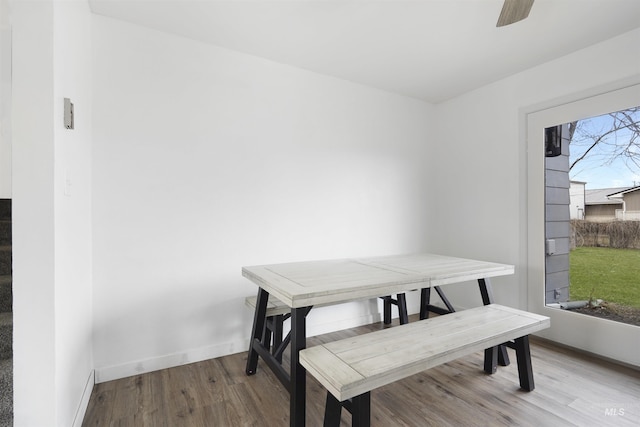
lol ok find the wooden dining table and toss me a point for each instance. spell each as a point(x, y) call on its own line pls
point(301, 285)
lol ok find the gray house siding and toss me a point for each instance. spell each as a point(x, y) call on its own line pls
point(557, 223)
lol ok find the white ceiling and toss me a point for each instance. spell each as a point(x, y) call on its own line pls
point(428, 49)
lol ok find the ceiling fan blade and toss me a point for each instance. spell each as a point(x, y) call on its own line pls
point(514, 11)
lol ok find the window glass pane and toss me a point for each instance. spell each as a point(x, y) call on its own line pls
point(592, 216)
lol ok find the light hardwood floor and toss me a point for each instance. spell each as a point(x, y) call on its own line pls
point(572, 389)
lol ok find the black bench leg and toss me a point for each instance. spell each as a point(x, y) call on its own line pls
point(503, 356)
point(491, 360)
point(495, 356)
point(332, 411)
point(401, 302)
point(361, 410)
point(386, 310)
point(523, 356)
point(359, 406)
point(487, 298)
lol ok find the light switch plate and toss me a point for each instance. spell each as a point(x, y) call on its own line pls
point(551, 246)
point(68, 114)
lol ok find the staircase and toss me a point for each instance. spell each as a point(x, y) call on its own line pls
point(6, 317)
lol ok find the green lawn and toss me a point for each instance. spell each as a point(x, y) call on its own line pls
point(614, 274)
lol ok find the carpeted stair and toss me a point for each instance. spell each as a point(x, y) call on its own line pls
point(6, 317)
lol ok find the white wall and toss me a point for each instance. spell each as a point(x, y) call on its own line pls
point(5, 101)
point(51, 230)
point(487, 152)
point(72, 195)
point(206, 160)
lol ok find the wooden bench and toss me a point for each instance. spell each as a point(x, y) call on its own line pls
point(278, 312)
point(275, 307)
point(350, 368)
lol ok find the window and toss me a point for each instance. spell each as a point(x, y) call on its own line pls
point(600, 336)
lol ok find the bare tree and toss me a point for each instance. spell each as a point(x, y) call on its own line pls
point(616, 137)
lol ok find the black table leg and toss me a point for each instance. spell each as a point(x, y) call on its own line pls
point(257, 334)
point(402, 309)
point(444, 299)
point(278, 320)
point(298, 373)
point(425, 300)
point(425, 303)
point(485, 291)
point(490, 360)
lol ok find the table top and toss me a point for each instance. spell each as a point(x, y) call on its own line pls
point(300, 284)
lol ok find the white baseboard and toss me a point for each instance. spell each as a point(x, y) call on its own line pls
point(137, 367)
point(143, 366)
point(84, 402)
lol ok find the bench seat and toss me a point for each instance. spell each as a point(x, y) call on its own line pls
point(354, 366)
point(275, 307)
point(277, 312)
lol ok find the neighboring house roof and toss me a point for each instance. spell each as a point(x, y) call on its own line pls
point(600, 196)
point(620, 194)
